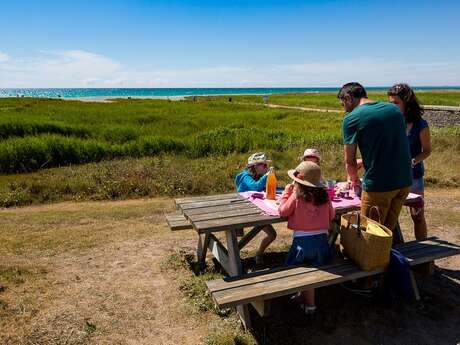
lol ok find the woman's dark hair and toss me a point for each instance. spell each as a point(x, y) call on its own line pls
point(412, 109)
point(318, 196)
point(355, 90)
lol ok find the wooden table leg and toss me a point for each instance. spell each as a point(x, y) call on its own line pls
point(236, 269)
point(397, 235)
point(413, 283)
point(202, 248)
point(249, 236)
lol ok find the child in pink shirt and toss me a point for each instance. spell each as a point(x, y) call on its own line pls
point(309, 211)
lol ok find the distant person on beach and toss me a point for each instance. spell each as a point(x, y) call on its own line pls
point(254, 178)
point(418, 134)
point(309, 210)
point(379, 131)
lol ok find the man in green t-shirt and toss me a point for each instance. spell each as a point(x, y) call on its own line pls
point(379, 131)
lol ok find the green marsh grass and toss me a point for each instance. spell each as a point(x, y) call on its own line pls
point(54, 150)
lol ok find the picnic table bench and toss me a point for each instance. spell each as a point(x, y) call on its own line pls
point(230, 213)
point(259, 287)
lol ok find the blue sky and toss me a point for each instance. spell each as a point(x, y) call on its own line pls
point(228, 43)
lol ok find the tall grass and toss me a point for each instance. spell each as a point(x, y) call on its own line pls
point(38, 134)
point(178, 174)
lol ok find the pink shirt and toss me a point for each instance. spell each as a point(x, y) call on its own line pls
point(305, 216)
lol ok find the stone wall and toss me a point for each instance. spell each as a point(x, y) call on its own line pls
point(442, 116)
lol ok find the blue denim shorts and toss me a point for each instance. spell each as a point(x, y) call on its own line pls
point(313, 250)
point(417, 186)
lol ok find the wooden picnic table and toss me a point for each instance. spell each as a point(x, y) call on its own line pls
point(229, 213)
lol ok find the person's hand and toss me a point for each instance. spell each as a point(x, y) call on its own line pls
point(289, 188)
point(359, 163)
point(355, 183)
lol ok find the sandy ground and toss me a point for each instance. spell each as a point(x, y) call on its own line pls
point(90, 273)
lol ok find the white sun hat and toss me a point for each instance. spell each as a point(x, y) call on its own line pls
point(311, 153)
point(258, 157)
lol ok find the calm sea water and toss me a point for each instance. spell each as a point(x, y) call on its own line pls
point(164, 92)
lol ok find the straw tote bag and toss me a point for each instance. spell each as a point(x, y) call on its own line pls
point(365, 241)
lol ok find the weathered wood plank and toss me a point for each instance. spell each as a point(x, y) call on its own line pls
point(236, 222)
point(187, 200)
point(222, 214)
point(211, 203)
point(274, 274)
point(220, 208)
point(178, 222)
point(277, 288)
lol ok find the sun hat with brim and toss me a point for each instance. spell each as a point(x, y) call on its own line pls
point(311, 153)
point(307, 174)
point(257, 158)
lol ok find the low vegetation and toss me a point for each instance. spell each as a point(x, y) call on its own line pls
point(54, 150)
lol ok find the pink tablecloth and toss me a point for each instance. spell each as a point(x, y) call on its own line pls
point(270, 207)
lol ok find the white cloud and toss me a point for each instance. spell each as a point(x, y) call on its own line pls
point(3, 57)
point(78, 68)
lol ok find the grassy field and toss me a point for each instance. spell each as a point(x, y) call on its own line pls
point(53, 150)
point(39, 134)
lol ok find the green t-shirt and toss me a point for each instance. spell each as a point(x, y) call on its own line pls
point(380, 132)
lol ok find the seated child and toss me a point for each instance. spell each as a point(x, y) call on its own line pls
point(254, 178)
point(311, 155)
point(309, 211)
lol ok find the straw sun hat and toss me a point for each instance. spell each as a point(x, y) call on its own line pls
point(307, 174)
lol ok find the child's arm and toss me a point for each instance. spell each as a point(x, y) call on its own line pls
point(331, 211)
point(331, 215)
point(288, 201)
point(254, 185)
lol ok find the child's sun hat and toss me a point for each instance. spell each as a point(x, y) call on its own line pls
point(311, 153)
point(307, 174)
point(258, 157)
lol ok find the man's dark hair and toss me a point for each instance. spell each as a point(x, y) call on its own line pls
point(355, 90)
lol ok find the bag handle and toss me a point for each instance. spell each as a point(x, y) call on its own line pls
point(358, 223)
point(374, 214)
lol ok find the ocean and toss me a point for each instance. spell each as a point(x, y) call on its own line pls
point(173, 92)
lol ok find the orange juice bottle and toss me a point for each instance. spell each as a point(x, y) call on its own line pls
point(270, 187)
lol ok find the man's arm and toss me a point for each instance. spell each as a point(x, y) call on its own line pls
point(351, 164)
